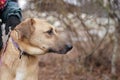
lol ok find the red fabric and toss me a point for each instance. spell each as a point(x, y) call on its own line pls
point(2, 3)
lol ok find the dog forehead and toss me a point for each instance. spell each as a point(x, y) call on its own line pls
point(43, 25)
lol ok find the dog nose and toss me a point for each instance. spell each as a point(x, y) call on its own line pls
point(68, 47)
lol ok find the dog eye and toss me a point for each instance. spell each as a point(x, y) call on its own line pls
point(50, 32)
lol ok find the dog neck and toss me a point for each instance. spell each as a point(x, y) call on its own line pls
point(12, 53)
point(27, 65)
point(21, 52)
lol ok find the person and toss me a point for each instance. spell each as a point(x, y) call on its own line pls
point(10, 14)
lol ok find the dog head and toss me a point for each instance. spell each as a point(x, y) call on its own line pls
point(36, 36)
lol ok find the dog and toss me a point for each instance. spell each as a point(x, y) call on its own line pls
point(31, 38)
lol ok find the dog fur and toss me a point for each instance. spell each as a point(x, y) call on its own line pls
point(35, 37)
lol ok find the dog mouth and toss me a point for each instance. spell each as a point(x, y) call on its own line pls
point(61, 51)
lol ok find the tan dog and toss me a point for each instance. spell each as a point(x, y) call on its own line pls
point(30, 38)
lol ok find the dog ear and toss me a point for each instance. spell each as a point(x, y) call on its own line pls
point(25, 28)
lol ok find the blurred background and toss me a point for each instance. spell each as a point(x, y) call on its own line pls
point(93, 27)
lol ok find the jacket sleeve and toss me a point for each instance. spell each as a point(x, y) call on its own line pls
point(11, 9)
point(12, 21)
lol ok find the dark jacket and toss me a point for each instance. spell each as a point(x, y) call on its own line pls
point(11, 8)
point(11, 16)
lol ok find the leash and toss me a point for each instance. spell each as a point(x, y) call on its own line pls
point(5, 39)
point(15, 44)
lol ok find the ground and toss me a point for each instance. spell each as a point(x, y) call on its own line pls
point(69, 67)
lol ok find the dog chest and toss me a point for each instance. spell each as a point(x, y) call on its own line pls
point(20, 75)
point(21, 72)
